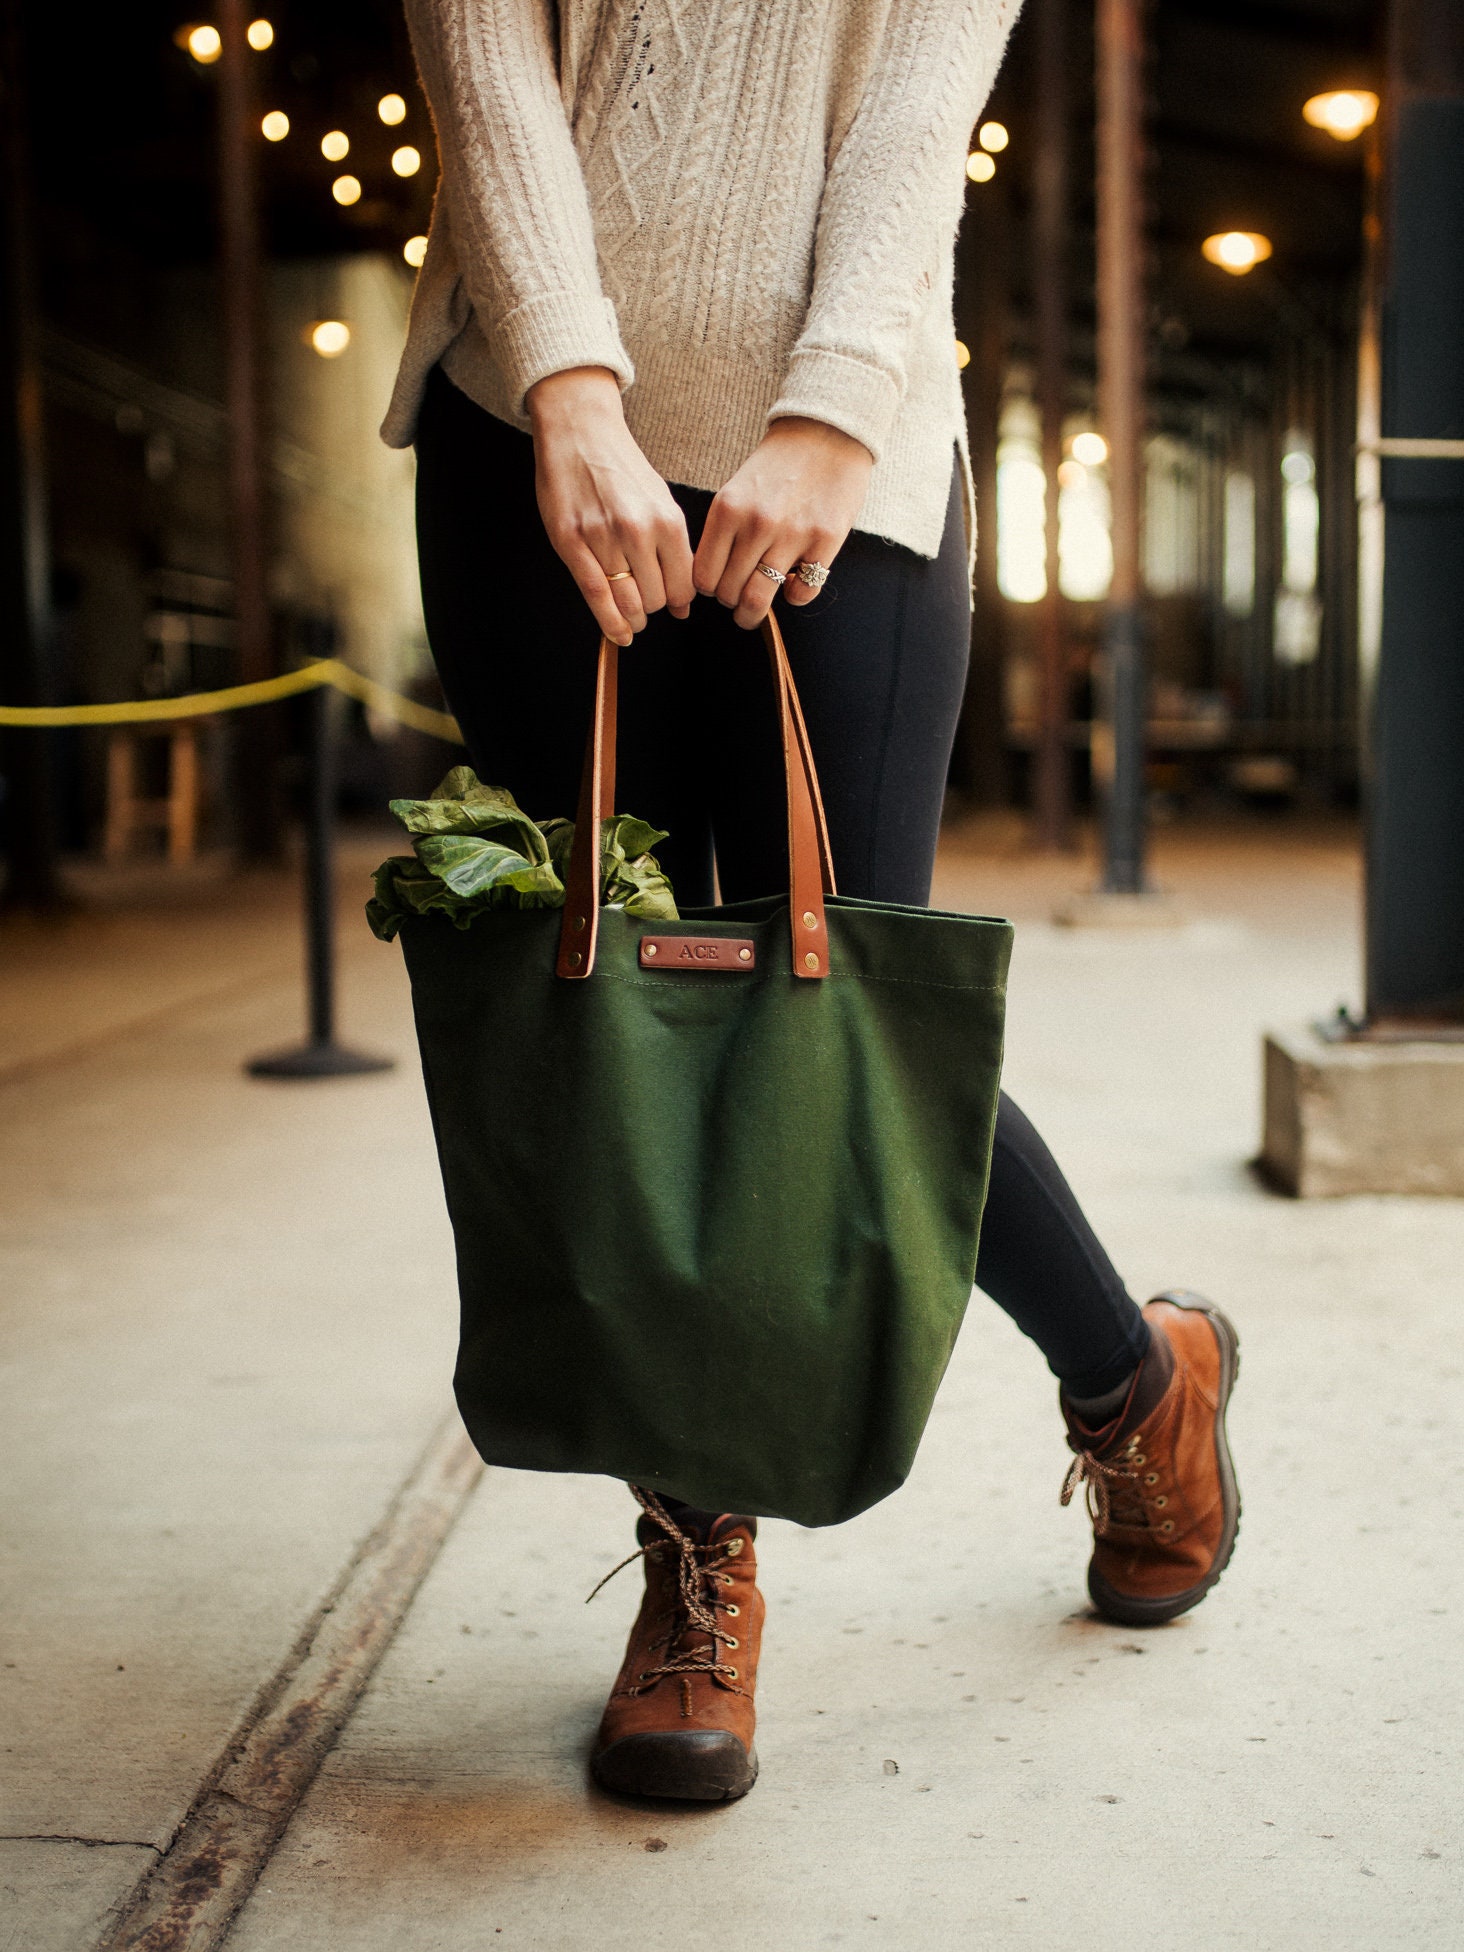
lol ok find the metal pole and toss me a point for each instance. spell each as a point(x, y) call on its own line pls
point(320, 1056)
point(984, 268)
point(1118, 733)
point(1415, 892)
point(259, 829)
point(1051, 795)
point(320, 871)
point(26, 764)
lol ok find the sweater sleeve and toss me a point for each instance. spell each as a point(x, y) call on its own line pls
point(892, 200)
point(513, 191)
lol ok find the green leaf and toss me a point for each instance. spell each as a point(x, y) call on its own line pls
point(476, 849)
point(461, 804)
point(471, 865)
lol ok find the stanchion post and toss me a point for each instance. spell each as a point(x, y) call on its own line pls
point(320, 1056)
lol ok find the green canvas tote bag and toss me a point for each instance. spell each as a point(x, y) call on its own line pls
point(715, 1184)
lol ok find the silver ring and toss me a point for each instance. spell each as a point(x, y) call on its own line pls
point(813, 575)
point(766, 569)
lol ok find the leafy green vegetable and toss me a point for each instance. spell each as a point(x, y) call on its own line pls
point(474, 848)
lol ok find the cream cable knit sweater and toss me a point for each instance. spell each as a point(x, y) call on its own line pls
point(745, 208)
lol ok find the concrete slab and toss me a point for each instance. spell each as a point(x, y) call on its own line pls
point(1362, 1117)
point(954, 1751)
point(226, 1311)
point(55, 1892)
point(226, 1329)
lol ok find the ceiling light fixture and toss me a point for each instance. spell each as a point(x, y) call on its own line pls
point(1237, 251)
point(1342, 112)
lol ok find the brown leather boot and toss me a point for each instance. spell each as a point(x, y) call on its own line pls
point(1161, 1486)
point(679, 1721)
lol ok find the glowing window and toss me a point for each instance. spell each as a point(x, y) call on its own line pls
point(1297, 624)
point(1238, 568)
point(1021, 505)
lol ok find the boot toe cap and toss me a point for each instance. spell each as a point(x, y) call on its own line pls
point(705, 1765)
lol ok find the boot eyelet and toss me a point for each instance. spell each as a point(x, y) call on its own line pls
point(1167, 1526)
point(1160, 1503)
point(1151, 1477)
point(728, 1580)
point(733, 1608)
point(734, 1546)
point(1137, 1457)
point(730, 1640)
point(731, 1673)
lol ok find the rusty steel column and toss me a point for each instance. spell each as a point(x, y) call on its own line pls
point(259, 825)
point(1118, 731)
point(1051, 797)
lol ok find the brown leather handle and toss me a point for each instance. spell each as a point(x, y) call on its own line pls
point(811, 868)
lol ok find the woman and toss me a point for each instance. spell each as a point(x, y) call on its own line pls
point(682, 340)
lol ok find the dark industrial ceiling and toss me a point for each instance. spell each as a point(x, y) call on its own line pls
point(124, 146)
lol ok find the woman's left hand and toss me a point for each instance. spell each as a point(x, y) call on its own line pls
point(793, 500)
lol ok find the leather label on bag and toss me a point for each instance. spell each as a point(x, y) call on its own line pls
point(697, 952)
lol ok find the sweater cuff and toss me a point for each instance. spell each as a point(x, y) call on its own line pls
point(555, 332)
point(849, 394)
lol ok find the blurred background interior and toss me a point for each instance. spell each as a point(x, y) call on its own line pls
point(1258, 150)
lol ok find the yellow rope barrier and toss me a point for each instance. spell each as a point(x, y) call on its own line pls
point(200, 704)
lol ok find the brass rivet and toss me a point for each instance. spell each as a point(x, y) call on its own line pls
point(810, 920)
point(744, 955)
point(579, 921)
point(810, 961)
point(575, 959)
point(653, 949)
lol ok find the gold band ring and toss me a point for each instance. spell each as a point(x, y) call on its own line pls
point(619, 575)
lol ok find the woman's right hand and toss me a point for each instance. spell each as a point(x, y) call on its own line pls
point(605, 508)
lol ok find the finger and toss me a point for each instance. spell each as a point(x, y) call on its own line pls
point(677, 574)
point(626, 596)
point(759, 589)
point(712, 550)
point(639, 549)
point(599, 593)
point(756, 539)
point(820, 547)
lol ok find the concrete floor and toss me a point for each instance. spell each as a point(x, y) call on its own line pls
point(227, 1323)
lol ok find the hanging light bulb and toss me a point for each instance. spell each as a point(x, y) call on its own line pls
point(260, 35)
point(979, 166)
point(328, 337)
point(414, 250)
point(275, 126)
point(336, 146)
point(346, 189)
point(1343, 113)
point(993, 136)
point(1237, 251)
point(406, 161)
point(392, 109)
point(204, 43)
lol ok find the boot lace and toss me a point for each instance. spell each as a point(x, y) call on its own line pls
point(1111, 1490)
point(699, 1573)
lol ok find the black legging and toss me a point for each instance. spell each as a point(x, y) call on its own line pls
point(880, 663)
